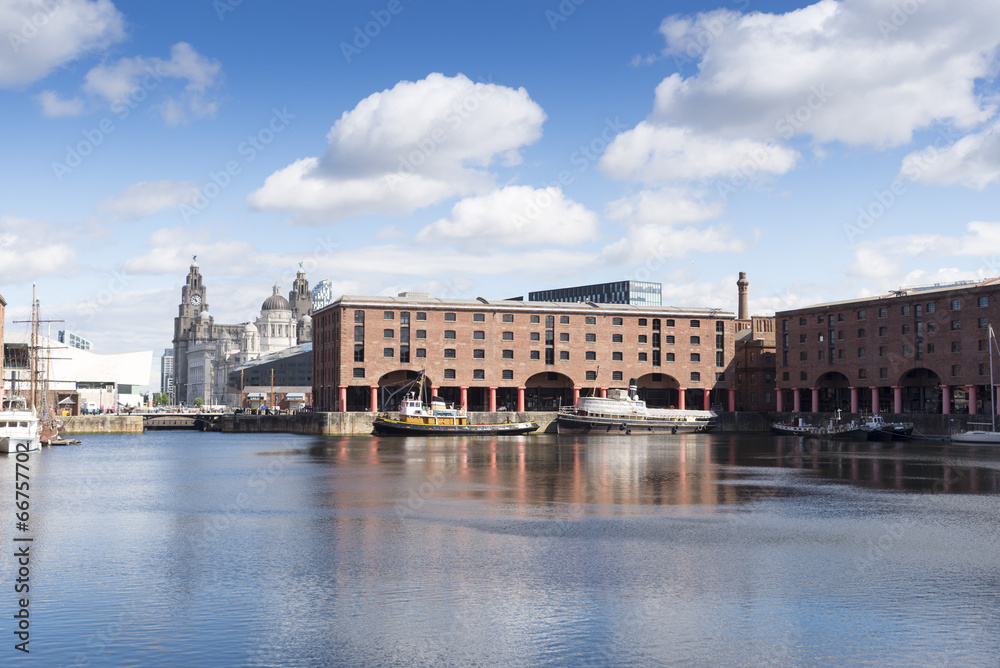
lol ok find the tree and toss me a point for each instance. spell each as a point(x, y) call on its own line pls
point(199, 402)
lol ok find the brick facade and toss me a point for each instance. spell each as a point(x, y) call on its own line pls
point(487, 355)
point(912, 351)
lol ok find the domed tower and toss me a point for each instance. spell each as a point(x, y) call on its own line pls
point(305, 330)
point(275, 324)
point(186, 331)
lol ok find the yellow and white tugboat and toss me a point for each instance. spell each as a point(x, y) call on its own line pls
point(416, 419)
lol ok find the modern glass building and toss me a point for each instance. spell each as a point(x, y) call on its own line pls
point(322, 294)
point(642, 293)
point(71, 339)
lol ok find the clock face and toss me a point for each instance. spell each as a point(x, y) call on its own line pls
point(195, 299)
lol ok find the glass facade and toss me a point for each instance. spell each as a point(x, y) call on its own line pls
point(642, 293)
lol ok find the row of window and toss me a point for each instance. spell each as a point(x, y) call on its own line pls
point(508, 374)
point(905, 310)
point(907, 350)
point(480, 335)
point(883, 372)
point(956, 325)
point(508, 354)
point(359, 317)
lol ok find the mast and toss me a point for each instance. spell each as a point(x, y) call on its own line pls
point(990, 343)
point(33, 350)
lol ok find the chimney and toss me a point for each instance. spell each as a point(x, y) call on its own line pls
point(743, 284)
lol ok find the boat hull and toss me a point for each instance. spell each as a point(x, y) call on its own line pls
point(977, 438)
point(591, 424)
point(390, 427)
point(13, 444)
point(846, 434)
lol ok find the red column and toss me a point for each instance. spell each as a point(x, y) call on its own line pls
point(465, 397)
point(707, 402)
point(493, 400)
point(815, 399)
point(897, 399)
point(874, 399)
point(576, 395)
point(972, 399)
point(796, 400)
point(854, 399)
point(680, 397)
point(374, 404)
point(604, 393)
point(732, 399)
point(945, 400)
point(520, 400)
point(342, 404)
point(779, 400)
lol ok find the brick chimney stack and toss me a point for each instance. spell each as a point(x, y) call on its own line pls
point(743, 284)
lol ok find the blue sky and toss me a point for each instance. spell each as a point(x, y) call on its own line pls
point(830, 150)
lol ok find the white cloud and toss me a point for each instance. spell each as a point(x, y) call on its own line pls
point(42, 36)
point(408, 147)
point(666, 206)
point(981, 238)
point(55, 107)
point(973, 161)
point(32, 248)
point(515, 216)
point(129, 80)
point(150, 197)
point(171, 250)
point(645, 243)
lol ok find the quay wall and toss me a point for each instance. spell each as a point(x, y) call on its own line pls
point(102, 424)
point(335, 424)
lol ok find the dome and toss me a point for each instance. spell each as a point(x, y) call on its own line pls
point(306, 320)
point(204, 315)
point(276, 302)
point(250, 328)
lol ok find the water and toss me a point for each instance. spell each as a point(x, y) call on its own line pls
point(208, 549)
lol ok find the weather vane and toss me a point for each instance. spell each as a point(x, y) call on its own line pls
point(194, 258)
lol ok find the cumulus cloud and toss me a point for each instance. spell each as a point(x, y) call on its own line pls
point(972, 161)
point(515, 216)
point(981, 238)
point(150, 197)
point(32, 248)
point(642, 243)
point(54, 106)
point(666, 206)
point(43, 36)
point(171, 250)
point(408, 147)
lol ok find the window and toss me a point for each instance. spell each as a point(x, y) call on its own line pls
point(982, 345)
point(862, 374)
point(695, 377)
point(861, 352)
point(617, 322)
point(802, 323)
point(840, 335)
point(917, 310)
point(642, 338)
point(508, 317)
point(449, 334)
point(840, 354)
point(906, 329)
point(421, 352)
point(668, 340)
point(803, 356)
point(931, 307)
point(563, 355)
point(956, 369)
point(449, 353)
point(642, 322)
point(564, 320)
point(359, 332)
point(695, 340)
point(802, 338)
point(883, 372)
point(930, 348)
point(719, 359)
point(421, 333)
point(668, 323)
point(820, 319)
point(616, 375)
point(984, 323)
point(388, 315)
point(861, 333)
point(784, 376)
point(564, 337)
point(590, 356)
point(359, 316)
point(819, 354)
point(720, 326)
point(550, 356)
point(883, 312)
point(591, 375)
point(449, 317)
point(508, 354)
point(931, 327)
point(956, 325)
point(388, 352)
point(696, 323)
point(591, 337)
point(984, 302)
point(861, 314)
point(616, 357)
point(421, 315)
point(881, 351)
point(670, 357)
point(983, 369)
point(591, 320)
point(882, 331)
point(508, 336)
point(388, 333)
point(695, 357)
point(478, 335)
point(616, 338)
point(535, 355)
point(479, 374)
point(359, 372)
point(956, 304)
point(449, 374)
point(803, 375)
point(535, 336)
point(359, 352)
point(508, 374)
point(720, 340)
point(906, 350)
point(905, 310)
point(642, 357)
point(956, 346)
point(840, 317)
point(535, 320)
point(478, 354)
point(478, 317)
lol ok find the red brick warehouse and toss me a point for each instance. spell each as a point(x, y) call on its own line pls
point(486, 355)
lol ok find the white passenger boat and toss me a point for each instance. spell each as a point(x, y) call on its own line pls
point(623, 412)
point(19, 427)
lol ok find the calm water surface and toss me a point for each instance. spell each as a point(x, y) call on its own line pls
point(279, 550)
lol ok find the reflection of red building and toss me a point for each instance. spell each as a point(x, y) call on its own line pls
point(489, 355)
point(917, 350)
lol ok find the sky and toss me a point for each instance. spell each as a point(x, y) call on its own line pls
point(831, 150)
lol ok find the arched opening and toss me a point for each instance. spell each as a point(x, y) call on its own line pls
point(658, 390)
point(834, 392)
point(547, 391)
point(395, 385)
point(922, 392)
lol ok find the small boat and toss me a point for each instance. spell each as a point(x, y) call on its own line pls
point(19, 427)
point(850, 431)
point(623, 412)
point(982, 436)
point(877, 429)
point(439, 419)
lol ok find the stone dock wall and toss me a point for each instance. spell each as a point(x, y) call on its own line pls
point(102, 424)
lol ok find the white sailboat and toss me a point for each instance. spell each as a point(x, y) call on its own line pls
point(982, 436)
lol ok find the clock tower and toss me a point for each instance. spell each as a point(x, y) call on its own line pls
point(186, 327)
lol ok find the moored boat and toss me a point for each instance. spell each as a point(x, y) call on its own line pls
point(19, 427)
point(438, 419)
point(848, 431)
point(623, 412)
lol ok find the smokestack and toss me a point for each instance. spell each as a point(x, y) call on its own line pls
point(743, 284)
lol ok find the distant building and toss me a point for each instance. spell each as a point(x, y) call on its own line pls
point(639, 293)
point(322, 294)
point(3, 307)
point(71, 339)
point(289, 372)
point(167, 373)
point(755, 359)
